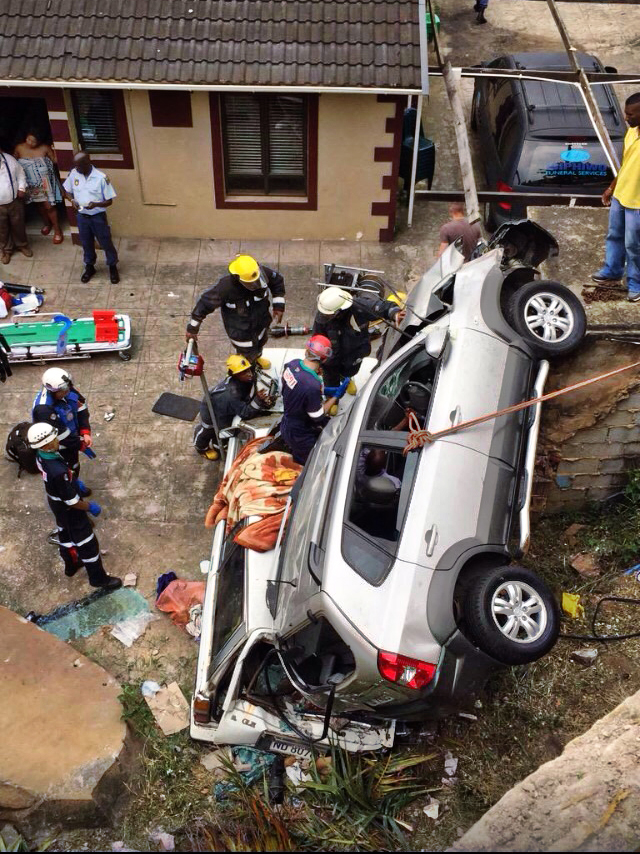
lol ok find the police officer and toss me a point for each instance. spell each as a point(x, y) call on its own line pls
point(62, 406)
point(305, 412)
point(90, 192)
point(344, 319)
point(243, 300)
point(77, 541)
point(235, 395)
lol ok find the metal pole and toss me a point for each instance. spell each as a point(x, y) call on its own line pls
point(451, 78)
point(414, 161)
point(587, 95)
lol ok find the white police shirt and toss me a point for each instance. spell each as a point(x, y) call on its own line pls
point(95, 187)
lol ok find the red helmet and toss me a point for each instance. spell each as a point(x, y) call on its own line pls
point(318, 348)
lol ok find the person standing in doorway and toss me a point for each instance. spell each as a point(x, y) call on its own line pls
point(90, 192)
point(13, 189)
point(37, 158)
point(457, 227)
point(623, 195)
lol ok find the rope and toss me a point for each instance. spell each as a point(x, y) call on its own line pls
point(419, 438)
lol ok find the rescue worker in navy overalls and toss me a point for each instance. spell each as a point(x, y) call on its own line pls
point(234, 395)
point(344, 319)
point(77, 542)
point(305, 411)
point(243, 300)
point(62, 406)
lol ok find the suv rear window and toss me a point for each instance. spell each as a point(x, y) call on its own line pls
point(373, 524)
point(546, 163)
point(229, 611)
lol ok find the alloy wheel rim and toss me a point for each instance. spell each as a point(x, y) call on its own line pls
point(519, 612)
point(548, 317)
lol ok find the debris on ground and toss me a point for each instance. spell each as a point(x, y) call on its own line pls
point(570, 535)
point(120, 846)
point(450, 764)
point(432, 809)
point(585, 656)
point(585, 565)
point(165, 840)
point(571, 605)
point(130, 630)
point(149, 688)
point(130, 580)
point(297, 774)
point(170, 709)
point(83, 617)
point(109, 415)
point(467, 716)
point(194, 626)
point(218, 761)
point(179, 597)
point(634, 571)
point(250, 763)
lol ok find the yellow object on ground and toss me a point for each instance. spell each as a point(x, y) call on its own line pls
point(571, 605)
point(352, 388)
point(264, 363)
point(212, 454)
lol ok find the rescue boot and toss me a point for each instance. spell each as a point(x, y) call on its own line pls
point(210, 454)
point(70, 571)
point(88, 273)
point(110, 583)
point(480, 18)
point(265, 364)
point(352, 388)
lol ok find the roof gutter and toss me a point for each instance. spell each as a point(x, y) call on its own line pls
point(424, 58)
point(191, 87)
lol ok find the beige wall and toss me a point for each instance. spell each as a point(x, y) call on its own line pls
point(170, 192)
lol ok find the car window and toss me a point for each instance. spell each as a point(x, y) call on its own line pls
point(551, 162)
point(229, 610)
point(380, 489)
point(508, 140)
point(501, 107)
point(408, 385)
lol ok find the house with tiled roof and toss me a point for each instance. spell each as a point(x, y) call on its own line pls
point(273, 119)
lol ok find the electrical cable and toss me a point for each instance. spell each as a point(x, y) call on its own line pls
point(605, 638)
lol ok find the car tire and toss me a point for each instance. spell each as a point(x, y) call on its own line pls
point(546, 308)
point(499, 619)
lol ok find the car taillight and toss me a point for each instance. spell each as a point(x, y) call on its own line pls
point(504, 188)
point(201, 710)
point(405, 671)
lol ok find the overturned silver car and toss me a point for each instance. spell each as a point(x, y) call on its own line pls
point(392, 592)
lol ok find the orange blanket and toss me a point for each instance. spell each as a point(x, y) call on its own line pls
point(255, 485)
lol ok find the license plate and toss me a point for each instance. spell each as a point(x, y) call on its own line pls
point(278, 745)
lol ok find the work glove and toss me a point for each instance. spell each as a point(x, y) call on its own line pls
point(342, 388)
point(94, 508)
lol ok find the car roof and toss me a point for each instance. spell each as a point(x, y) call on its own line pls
point(553, 106)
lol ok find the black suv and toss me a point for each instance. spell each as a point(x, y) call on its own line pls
point(536, 135)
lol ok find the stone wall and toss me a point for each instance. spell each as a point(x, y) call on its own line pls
point(590, 439)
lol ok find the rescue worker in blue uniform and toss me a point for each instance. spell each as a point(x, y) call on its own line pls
point(62, 406)
point(305, 411)
point(344, 319)
point(90, 192)
point(243, 300)
point(77, 542)
point(234, 395)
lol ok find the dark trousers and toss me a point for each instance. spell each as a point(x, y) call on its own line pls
point(12, 228)
point(92, 228)
point(78, 543)
point(205, 437)
point(299, 438)
point(334, 372)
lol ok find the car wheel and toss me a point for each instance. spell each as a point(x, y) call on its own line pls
point(549, 317)
point(511, 614)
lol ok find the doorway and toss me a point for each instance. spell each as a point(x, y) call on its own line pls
point(18, 116)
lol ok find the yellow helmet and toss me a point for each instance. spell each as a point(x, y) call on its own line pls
point(237, 364)
point(245, 268)
point(399, 299)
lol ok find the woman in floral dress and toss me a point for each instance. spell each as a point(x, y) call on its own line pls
point(37, 158)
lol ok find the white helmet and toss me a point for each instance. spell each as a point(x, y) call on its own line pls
point(41, 434)
point(334, 299)
point(57, 379)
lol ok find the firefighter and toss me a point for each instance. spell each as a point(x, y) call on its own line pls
point(344, 319)
point(243, 300)
point(76, 539)
point(62, 405)
point(234, 395)
point(305, 412)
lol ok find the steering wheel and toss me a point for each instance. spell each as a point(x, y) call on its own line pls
point(406, 399)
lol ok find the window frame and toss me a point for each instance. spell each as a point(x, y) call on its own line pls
point(257, 201)
point(123, 159)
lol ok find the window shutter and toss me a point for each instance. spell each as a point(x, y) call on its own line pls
point(96, 121)
point(243, 136)
point(287, 136)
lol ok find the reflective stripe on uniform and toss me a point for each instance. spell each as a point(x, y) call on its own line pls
point(71, 501)
point(230, 304)
point(91, 559)
point(53, 497)
point(63, 435)
point(316, 414)
point(278, 300)
point(88, 540)
point(241, 343)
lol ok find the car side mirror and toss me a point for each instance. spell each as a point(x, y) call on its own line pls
point(435, 342)
point(380, 491)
